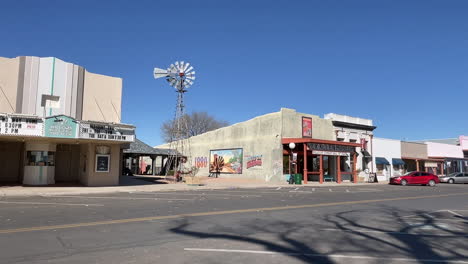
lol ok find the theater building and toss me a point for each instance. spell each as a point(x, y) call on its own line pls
point(59, 124)
point(259, 149)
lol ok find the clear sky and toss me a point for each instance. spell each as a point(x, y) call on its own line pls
point(403, 64)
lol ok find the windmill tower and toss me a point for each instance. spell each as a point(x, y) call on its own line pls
point(181, 76)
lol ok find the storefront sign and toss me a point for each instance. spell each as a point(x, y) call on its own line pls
point(106, 132)
point(60, 127)
point(20, 126)
point(330, 147)
point(329, 153)
point(306, 127)
point(102, 163)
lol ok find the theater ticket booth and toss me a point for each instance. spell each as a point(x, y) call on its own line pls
point(322, 160)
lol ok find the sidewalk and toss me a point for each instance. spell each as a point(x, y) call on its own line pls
point(129, 185)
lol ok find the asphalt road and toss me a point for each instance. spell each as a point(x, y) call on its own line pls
point(358, 224)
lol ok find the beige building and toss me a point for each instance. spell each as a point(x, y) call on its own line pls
point(259, 149)
point(59, 123)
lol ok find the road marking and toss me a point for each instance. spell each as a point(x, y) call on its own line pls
point(279, 188)
point(121, 198)
point(330, 190)
point(313, 189)
point(347, 190)
point(322, 255)
point(207, 194)
point(212, 213)
point(296, 189)
point(39, 203)
point(388, 232)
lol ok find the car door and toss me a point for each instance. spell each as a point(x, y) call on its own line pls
point(461, 178)
point(414, 178)
point(424, 178)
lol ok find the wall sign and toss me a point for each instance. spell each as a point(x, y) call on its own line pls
point(201, 162)
point(102, 162)
point(306, 127)
point(330, 147)
point(329, 153)
point(60, 127)
point(254, 161)
point(20, 126)
point(106, 132)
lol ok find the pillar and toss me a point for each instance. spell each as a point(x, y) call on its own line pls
point(417, 165)
point(304, 176)
point(354, 168)
point(321, 169)
point(338, 169)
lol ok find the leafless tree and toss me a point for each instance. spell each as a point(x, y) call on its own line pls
point(196, 123)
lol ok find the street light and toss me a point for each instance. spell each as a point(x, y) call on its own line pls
point(291, 147)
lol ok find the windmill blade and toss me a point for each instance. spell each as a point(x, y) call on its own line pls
point(189, 69)
point(189, 82)
point(159, 73)
point(181, 66)
point(186, 67)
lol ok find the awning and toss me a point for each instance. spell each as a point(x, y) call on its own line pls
point(366, 153)
point(398, 162)
point(379, 160)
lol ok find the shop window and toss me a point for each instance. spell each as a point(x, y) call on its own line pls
point(380, 169)
point(40, 158)
point(398, 170)
point(286, 164)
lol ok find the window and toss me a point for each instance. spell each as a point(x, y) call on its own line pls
point(40, 158)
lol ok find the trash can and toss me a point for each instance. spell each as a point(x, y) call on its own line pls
point(297, 178)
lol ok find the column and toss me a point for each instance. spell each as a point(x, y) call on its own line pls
point(354, 168)
point(304, 176)
point(417, 165)
point(321, 169)
point(153, 162)
point(338, 168)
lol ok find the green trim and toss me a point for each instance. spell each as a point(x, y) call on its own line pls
point(52, 83)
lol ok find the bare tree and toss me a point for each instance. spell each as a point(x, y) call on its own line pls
point(196, 122)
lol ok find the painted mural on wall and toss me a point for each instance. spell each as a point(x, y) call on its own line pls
point(254, 161)
point(201, 162)
point(226, 161)
point(306, 127)
point(60, 127)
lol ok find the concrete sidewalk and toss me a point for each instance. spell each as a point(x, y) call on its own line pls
point(138, 185)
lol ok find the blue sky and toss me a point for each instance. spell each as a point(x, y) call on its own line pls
point(403, 64)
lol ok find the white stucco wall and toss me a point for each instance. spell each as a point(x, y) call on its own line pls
point(389, 149)
point(444, 150)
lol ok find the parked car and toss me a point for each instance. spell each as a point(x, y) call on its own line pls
point(456, 177)
point(416, 177)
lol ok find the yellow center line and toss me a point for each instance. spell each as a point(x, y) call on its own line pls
point(278, 208)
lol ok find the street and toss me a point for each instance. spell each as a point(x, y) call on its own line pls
point(294, 224)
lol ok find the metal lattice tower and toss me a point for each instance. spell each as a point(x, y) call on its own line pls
point(180, 75)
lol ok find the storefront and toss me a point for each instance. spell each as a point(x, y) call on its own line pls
point(320, 160)
point(60, 149)
point(387, 158)
point(449, 158)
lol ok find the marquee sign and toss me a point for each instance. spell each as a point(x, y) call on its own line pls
point(329, 153)
point(113, 132)
point(20, 126)
point(330, 147)
point(60, 127)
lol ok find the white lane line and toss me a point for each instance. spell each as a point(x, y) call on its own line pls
point(279, 188)
point(204, 194)
point(347, 190)
point(120, 198)
point(313, 189)
point(301, 191)
point(322, 255)
point(452, 212)
point(330, 190)
point(296, 189)
point(388, 232)
point(39, 203)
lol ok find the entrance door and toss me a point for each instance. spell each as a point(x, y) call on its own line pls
point(10, 162)
point(67, 160)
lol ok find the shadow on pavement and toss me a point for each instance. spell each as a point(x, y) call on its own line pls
point(382, 234)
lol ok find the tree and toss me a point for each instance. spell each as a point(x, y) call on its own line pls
point(196, 123)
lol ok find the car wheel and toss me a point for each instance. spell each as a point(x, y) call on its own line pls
point(432, 183)
point(404, 182)
point(451, 181)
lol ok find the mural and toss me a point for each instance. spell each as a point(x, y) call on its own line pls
point(306, 127)
point(226, 161)
point(201, 162)
point(254, 161)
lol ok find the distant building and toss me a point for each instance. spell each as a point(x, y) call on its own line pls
point(59, 123)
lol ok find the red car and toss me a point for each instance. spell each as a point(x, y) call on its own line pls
point(416, 177)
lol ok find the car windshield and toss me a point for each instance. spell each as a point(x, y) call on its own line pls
point(408, 173)
point(453, 174)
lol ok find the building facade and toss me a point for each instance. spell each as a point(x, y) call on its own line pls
point(59, 123)
point(259, 149)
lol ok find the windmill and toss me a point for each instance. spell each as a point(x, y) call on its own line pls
point(181, 76)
